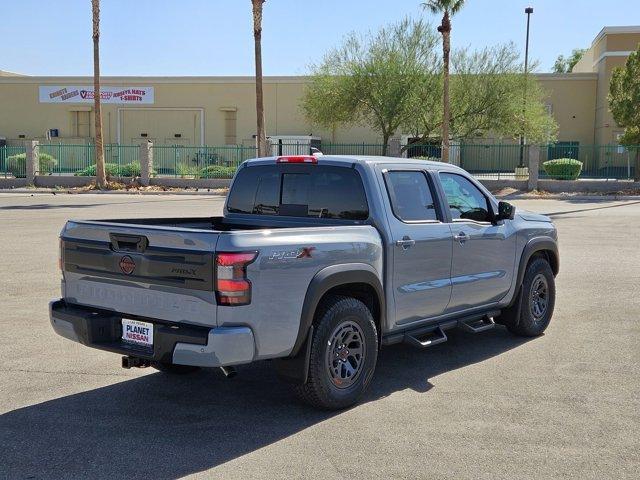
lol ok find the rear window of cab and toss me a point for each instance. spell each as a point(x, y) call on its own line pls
point(317, 191)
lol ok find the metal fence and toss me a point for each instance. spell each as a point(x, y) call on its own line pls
point(13, 161)
point(486, 161)
point(199, 162)
point(69, 159)
point(499, 161)
point(608, 162)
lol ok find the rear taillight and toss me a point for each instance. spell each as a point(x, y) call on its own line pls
point(232, 286)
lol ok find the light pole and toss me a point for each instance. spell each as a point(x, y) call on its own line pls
point(528, 11)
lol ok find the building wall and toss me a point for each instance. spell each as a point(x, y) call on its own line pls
point(196, 109)
point(221, 110)
point(573, 100)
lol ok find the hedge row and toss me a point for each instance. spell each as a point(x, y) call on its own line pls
point(112, 170)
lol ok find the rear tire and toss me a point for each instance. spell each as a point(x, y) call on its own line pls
point(531, 314)
point(344, 351)
point(174, 369)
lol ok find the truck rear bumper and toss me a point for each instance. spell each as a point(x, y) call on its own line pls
point(172, 342)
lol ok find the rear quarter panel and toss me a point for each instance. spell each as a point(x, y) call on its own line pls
point(280, 276)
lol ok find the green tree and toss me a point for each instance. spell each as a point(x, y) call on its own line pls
point(101, 176)
point(624, 102)
point(263, 149)
point(565, 64)
point(487, 88)
point(372, 81)
point(447, 8)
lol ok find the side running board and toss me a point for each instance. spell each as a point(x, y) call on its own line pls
point(427, 339)
point(478, 325)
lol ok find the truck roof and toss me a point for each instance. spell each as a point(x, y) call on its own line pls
point(350, 159)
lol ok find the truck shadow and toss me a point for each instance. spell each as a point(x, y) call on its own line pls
point(164, 427)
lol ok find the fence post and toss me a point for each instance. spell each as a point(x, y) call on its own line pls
point(534, 164)
point(32, 163)
point(393, 148)
point(146, 162)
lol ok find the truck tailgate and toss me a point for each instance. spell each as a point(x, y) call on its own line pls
point(164, 273)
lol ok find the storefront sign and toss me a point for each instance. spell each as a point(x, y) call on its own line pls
point(76, 94)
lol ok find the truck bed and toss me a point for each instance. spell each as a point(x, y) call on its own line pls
point(220, 223)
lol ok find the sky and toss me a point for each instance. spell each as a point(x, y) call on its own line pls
point(215, 37)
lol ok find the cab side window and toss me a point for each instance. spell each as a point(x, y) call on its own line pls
point(410, 195)
point(466, 201)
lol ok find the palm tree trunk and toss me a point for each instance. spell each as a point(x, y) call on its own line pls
point(446, 113)
point(101, 180)
point(257, 38)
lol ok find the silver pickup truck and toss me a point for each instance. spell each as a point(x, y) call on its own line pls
point(316, 263)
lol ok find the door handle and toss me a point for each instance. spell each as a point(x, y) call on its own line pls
point(406, 242)
point(461, 237)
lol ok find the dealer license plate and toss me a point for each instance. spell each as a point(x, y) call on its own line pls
point(137, 332)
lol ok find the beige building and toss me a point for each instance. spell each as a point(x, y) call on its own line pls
point(221, 110)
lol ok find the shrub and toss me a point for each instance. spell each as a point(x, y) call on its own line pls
point(130, 170)
point(112, 170)
point(217, 171)
point(431, 159)
point(563, 168)
point(17, 164)
point(186, 170)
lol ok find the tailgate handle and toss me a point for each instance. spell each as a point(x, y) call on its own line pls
point(128, 243)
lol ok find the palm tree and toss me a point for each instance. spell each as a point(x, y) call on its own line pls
point(101, 179)
point(257, 39)
point(447, 8)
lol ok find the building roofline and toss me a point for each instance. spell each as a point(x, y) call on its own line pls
point(107, 80)
point(615, 30)
point(567, 76)
point(81, 79)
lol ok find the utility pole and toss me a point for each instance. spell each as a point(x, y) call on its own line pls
point(528, 11)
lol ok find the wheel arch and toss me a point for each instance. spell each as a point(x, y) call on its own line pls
point(357, 280)
point(540, 246)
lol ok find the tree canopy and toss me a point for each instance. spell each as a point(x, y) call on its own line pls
point(372, 80)
point(565, 64)
point(392, 81)
point(624, 102)
point(489, 94)
point(624, 98)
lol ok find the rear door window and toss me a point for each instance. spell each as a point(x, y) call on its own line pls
point(411, 196)
point(310, 191)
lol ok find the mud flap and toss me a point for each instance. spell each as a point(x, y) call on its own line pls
point(296, 369)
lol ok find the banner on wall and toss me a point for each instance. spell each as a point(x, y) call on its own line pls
point(79, 94)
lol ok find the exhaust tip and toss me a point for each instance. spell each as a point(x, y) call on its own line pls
point(229, 372)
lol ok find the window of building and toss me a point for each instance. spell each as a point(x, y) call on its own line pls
point(81, 124)
point(410, 196)
point(230, 125)
point(466, 201)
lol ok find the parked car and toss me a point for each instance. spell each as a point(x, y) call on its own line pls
point(316, 263)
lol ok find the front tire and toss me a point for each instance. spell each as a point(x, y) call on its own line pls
point(537, 301)
point(344, 351)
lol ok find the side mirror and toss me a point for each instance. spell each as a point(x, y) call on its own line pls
point(506, 211)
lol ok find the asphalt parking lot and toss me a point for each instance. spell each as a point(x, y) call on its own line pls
point(565, 405)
